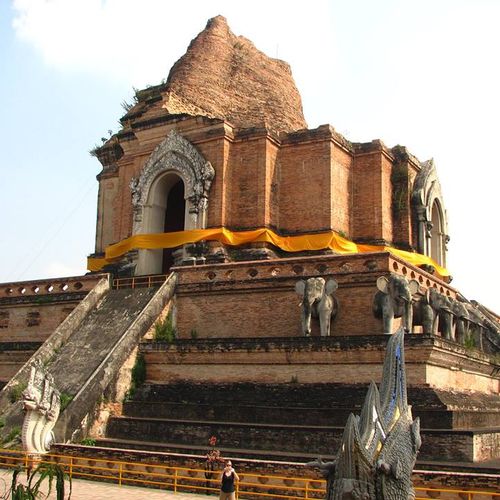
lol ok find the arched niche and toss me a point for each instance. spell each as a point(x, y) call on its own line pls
point(174, 160)
point(429, 214)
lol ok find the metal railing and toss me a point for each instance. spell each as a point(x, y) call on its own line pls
point(140, 281)
point(194, 480)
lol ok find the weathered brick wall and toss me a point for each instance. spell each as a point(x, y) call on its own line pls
point(341, 189)
point(31, 310)
point(316, 360)
point(304, 189)
point(247, 195)
point(305, 181)
point(367, 195)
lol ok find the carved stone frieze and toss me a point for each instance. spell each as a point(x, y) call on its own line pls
point(427, 190)
point(175, 154)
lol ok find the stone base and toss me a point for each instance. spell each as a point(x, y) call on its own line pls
point(430, 361)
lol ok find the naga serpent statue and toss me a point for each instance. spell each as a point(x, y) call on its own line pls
point(379, 447)
point(41, 402)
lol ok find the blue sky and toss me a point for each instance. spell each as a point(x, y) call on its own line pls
point(424, 74)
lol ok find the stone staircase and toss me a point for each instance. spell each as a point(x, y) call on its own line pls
point(87, 358)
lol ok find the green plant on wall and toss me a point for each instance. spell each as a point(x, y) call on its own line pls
point(164, 330)
point(469, 342)
point(65, 400)
point(16, 392)
point(138, 376)
point(399, 179)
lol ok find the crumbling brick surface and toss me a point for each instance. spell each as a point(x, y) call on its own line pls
point(240, 83)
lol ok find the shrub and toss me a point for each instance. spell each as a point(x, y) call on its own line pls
point(34, 480)
point(65, 400)
point(164, 330)
point(88, 442)
point(469, 342)
point(138, 377)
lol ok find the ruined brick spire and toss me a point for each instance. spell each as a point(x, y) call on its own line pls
point(225, 76)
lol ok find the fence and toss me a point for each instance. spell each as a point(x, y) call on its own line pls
point(177, 479)
point(140, 281)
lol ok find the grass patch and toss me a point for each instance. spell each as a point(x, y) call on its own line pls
point(17, 391)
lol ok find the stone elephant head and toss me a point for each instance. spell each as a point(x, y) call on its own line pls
point(394, 300)
point(443, 313)
point(317, 302)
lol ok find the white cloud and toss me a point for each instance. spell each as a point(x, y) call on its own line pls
point(137, 42)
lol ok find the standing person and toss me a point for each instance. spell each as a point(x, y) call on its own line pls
point(227, 479)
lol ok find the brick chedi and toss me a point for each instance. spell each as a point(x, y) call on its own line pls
point(209, 184)
point(238, 83)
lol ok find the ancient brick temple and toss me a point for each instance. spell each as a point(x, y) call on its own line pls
point(223, 143)
point(285, 256)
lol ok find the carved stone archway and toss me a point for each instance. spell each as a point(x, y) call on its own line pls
point(430, 215)
point(175, 157)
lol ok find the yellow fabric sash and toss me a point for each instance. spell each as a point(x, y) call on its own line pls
point(299, 243)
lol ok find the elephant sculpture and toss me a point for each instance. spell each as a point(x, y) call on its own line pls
point(318, 302)
point(476, 325)
point(461, 321)
point(443, 313)
point(394, 300)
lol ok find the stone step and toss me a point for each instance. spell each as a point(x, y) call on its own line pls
point(330, 403)
point(232, 413)
point(449, 445)
point(431, 419)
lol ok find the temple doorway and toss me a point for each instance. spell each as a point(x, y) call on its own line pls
point(164, 211)
point(174, 220)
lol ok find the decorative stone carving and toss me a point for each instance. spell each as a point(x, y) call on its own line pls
point(461, 320)
point(423, 313)
point(178, 155)
point(426, 191)
point(317, 301)
point(136, 191)
point(379, 447)
point(41, 401)
point(394, 300)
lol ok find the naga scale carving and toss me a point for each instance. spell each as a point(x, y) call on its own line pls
point(379, 447)
point(41, 401)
